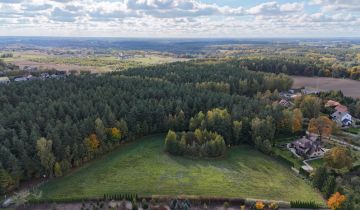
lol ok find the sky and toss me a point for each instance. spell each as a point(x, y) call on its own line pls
point(180, 18)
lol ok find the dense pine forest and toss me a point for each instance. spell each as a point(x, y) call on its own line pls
point(47, 127)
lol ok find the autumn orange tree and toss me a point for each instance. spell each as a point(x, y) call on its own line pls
point(321, 125)
point(335, 201)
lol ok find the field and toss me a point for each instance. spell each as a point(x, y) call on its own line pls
point(348, 87)
point(103, 63)
point(142, 167)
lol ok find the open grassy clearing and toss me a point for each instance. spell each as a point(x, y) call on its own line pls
point(85, 63)
point(142, 167)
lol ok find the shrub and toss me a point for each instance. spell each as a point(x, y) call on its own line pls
point(274, 206)
point(259, 205)
point(153, 202)
point(226, 205)
point(144, 204)
point(304, 205)
point(134, 206)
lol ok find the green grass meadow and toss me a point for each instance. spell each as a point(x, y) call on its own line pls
point(142, 167)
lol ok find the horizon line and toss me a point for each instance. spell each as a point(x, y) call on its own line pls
point(143, 37)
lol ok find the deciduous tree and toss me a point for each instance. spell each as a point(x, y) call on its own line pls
point(6, 181)
point(237, 132)
point(47, 158)
point(321, 125)
point(310, 106)
point(338, 158)
point(57, 170)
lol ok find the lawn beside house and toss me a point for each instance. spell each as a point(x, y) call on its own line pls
point(142, 167)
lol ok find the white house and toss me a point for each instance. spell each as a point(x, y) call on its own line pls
point(342, 118)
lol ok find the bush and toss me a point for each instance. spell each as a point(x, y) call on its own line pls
point(226, 205)
point(274, 206)
point(304, 205)
point(144, 204)
point(134, 206)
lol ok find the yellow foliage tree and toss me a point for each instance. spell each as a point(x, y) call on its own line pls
point(116, 134)
point(92, 143)
point(335, 201)
point(57, 170)
point(321, 125)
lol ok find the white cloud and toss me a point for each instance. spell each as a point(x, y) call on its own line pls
point(176, 18)
point(339, 5)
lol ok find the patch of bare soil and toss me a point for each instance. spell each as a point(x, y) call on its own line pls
point(348, 87)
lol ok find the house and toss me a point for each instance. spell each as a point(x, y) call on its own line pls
point(331, 103)
point(342, 118)
point(30, 68)
point(285, 103)
point(308, 146)
point(31, 77)
point(20, 79)
point(308, 91)
point(4, 80)
point(45, 75)
point(290, 95)
point(341, 108)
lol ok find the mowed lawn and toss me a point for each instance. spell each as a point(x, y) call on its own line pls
point(142, 167)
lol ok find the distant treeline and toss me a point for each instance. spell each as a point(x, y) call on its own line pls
point(297, 65)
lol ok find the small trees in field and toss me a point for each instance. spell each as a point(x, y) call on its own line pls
point(201, 143)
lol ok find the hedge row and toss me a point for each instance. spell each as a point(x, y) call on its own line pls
point(119, 197)
point(304, 205)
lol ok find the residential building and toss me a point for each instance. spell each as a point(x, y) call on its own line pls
point(342, 118)
point(285, 103)
point(20, 79)
point(331, 103)
point(309, 146)
point(341, 108)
